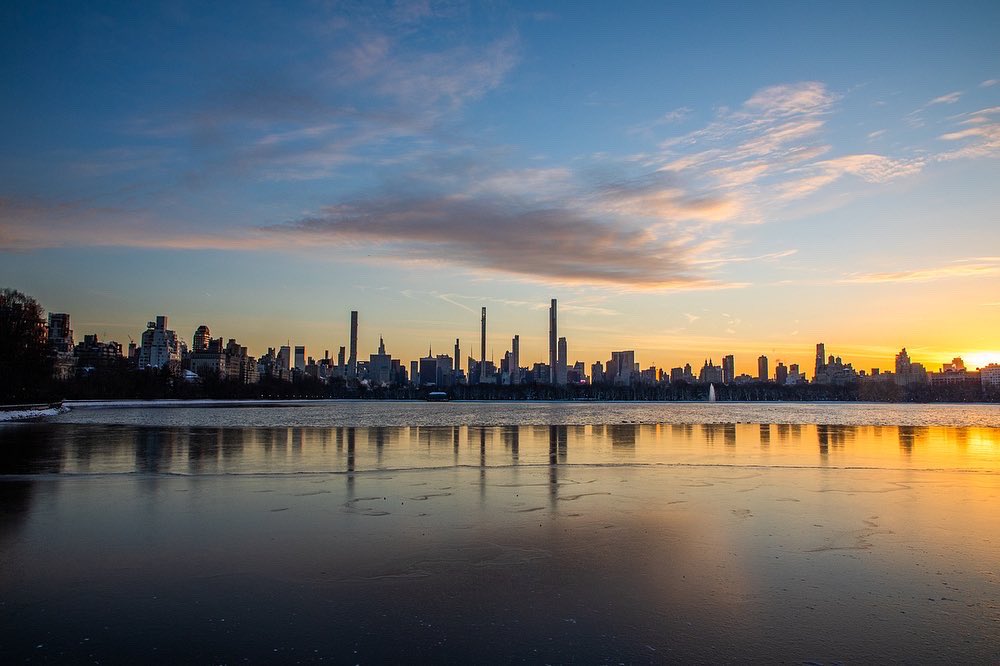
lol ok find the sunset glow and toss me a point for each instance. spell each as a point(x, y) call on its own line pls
point(689, 181)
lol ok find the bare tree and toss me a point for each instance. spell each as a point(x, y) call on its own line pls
point(24, 363)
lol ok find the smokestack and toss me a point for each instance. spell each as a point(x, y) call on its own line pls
point(553, 356)
point(352, 362)
point(482, 347)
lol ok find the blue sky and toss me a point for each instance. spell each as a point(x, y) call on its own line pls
point(688, 180)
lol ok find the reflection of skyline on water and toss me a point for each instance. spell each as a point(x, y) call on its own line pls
point(47, 448)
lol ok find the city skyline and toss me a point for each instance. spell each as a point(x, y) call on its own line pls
point(692, 181)
point(61, 335)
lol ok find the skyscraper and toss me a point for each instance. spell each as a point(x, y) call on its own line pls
point(514, 360)
point(380, 365)
point(762, 373)
point(781, 374)
point(285, 361)
point(300, 358)
point(201, 338)
point(728, 369)
point(458, 356)
point(553, 352)
point(820, 359)
point(482, 348)
point(561, 363)
point(159, 345)
point(352, 361)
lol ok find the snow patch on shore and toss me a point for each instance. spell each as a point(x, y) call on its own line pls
point(22, 415)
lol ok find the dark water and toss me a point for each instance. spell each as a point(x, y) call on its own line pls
point(596, 543)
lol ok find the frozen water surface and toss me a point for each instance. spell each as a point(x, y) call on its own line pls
point(222, 534)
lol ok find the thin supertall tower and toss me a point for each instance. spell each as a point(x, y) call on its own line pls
point(514, 360)
point(553, 341)
point(482, 348)
point(352, 361)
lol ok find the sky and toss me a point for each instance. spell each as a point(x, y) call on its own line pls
point(688, 179)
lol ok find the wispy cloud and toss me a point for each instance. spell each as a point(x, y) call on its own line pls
point(978, 132)
point(989, 83)
point(963, 268)
point(771, 151)
point(949, 98)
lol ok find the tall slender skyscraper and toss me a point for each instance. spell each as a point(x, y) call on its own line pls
point(553, 341)
point(458, 356)
point(352, 361)
point(482, 348)
point(514, 361)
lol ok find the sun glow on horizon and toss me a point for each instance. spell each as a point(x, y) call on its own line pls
point(980, 359)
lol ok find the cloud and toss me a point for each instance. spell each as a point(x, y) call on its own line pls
point(658, 197)
point(376, 93)
point(770, 151)
point(868, 167)
point(950, 98)
point(771, 256)
point(989, 83)
point(670, 117)
point(979, 131)
point(426, 81)
point(30, 224)
point(482, 235)
point(962, 268)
